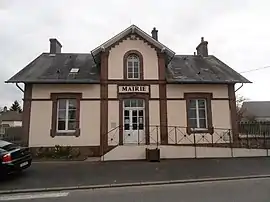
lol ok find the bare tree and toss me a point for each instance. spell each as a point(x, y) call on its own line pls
point(239, 110)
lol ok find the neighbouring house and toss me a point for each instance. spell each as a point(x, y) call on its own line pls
point(128, 93)
point(9, 119)
point(256, 111)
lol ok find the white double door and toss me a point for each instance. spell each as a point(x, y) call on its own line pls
point(134, 121)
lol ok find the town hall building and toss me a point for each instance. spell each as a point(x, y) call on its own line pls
point(130, 93)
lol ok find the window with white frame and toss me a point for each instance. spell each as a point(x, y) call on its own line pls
point(66, 115)
point(133, 67)
point(197, 113)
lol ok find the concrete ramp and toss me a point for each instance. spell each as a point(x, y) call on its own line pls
point(137, 152)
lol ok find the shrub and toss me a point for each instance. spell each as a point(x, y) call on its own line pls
point(57, 152)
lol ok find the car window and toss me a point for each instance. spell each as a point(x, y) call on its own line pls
point(7, 146)
point(4, 143)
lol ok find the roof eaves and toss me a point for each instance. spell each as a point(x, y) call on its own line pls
point(246, 80)
point(132, 28)
point(84, 81)
point(12, 80)
point(200, 82)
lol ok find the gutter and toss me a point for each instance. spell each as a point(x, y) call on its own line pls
point(19, 87)
point(239, 87)
point(93, 57)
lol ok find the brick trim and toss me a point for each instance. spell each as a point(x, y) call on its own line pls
point(104, 103)
point(26, 114)
point(126, 55)
point(143, 96)
point(198, 95)
point(162, 98)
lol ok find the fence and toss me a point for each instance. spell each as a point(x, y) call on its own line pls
point(251, 135)
point(13, 135)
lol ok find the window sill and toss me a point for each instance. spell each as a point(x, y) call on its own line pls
point(76, 133)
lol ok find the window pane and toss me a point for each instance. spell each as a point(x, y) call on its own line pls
point(140, 126)
point(134, 113)
point(140, 112)
point(192, 103)
point(127, 120)
point(192, 113)
point(71, 125)
point(62, 103)
point(201, 103)
point(192, 123)
point(134, 120)
point(134, 126)
point(72, 114)
point(130, 75)
point(136, 70)
point(136, 75)
point(141, 120)
point(202, 113)
point(62, 114)
point(202, 123)
point(72, 103)
point(130, 64)
point(126, 127)
point(127, 103)
point(136, 64)
point(140, 104)
point(130, 70)
point(126, 113)
point(61, 125)
point(133, 103)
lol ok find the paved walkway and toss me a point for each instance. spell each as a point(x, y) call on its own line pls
point(67, 174)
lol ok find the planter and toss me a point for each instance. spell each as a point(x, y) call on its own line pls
point(152, 155)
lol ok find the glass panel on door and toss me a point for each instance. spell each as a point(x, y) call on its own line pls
point(126, 120)
point(141, 120)
point(134, 120)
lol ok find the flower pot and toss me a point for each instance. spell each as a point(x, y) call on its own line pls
point(153, 155)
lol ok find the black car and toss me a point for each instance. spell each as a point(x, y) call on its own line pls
point(13, 157)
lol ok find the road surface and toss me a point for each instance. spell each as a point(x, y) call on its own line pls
point(235, 191)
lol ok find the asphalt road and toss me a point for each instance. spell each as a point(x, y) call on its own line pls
point(66, 174)
point(235, 191)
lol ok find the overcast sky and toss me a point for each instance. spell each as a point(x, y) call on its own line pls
point(237, 31)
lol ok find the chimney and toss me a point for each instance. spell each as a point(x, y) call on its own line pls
point(202, 49)
point(155, 34)
point(55, 46)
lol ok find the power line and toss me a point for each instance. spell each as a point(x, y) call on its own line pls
point(252, 70)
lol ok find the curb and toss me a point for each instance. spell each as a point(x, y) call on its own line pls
point(136, 184)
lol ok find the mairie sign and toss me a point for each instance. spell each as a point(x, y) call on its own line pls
point(133, 89)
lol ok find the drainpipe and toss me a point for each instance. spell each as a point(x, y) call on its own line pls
point(19, 87)
point(239, 87)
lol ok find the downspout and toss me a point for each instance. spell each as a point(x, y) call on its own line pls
point(19, 87)
point(239, 88)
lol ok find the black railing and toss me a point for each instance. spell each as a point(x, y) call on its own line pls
point(177, 135)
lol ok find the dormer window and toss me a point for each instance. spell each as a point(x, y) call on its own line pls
point(133, 65)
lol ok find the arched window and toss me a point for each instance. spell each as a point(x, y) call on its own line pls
point(133, 65)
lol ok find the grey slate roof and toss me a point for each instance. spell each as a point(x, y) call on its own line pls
point(256, 108)
point(198, 69)
point(182, 69)
point(11, 116)
point(55, 68)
